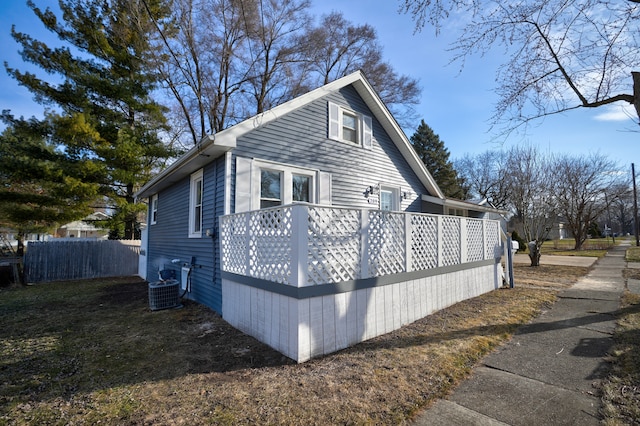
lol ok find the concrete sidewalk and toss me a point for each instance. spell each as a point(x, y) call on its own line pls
point(547, 374)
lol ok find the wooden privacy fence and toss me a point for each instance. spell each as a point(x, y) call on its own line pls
point(68, 260)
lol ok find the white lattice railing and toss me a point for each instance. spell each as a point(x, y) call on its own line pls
point(302, 244)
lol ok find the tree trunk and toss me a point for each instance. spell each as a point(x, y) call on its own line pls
point(534, 253)
point(636, 92)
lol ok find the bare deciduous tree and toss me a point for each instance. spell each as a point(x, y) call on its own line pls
point(252, 55)
point(199, 64)
point(273, 51)
point(531, 189)
point(582, 183)
point(486, 175)
point(562, 55)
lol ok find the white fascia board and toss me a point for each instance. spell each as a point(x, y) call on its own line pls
point(461, 204)
point(197, 157)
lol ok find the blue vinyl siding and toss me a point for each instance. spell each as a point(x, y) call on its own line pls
point(297, 138)
point(168, 238)
point(300, 138)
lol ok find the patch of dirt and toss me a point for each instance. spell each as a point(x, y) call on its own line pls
point(128, 291)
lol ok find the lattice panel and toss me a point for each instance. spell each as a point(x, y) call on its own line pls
point(270, 245)
point(386, 247)
point(334, 245)
point(450, 240)
point(424, 242)
point(233, 236)
point(475, 242)
point(492, 243)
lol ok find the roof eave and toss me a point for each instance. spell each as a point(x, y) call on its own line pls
point(208, 149)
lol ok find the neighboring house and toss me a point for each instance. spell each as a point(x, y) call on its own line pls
point(84, 228)
point(302, 225)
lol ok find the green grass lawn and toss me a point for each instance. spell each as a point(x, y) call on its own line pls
point(633, 254)
point(593, 247)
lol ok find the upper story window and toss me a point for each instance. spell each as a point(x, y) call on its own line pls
point(348, 126)
point(195, 205)
point(154, 209)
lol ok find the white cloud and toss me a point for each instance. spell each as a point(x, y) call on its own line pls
point(616, 113)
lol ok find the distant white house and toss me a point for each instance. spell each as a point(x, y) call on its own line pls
point(84, 228)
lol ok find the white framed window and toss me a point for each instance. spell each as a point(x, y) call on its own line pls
point(270, 188)
point(348, 126)
point(284, 184)
point(389, 198)
point(154, 209)
point(451, 211)
point(263, 183)
point(195, 205)
point(301, 188)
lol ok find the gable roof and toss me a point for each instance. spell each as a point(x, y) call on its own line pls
point(216, 145)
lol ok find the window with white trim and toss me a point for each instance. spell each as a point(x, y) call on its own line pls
point(154, 209)
point(451, 211)
point(349, 126)
point(270, 188)
point(389, 198)
point(283, 184)
point(195, 205)
point(263, 183)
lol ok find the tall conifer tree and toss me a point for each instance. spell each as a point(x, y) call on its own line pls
point(40, 187)
point(103, 107)
point(435, 157)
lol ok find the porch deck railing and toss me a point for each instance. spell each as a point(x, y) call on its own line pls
point(303, 245)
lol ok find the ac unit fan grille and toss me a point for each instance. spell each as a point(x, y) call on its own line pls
point(164, 295)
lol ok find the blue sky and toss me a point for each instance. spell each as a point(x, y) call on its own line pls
point(457, 105)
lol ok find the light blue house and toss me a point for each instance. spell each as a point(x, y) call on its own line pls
point(305, 225)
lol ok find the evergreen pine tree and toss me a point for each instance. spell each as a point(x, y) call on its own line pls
point(104, 111)
point(40, 186)
point(435, 156)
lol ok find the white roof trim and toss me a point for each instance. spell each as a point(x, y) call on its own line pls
point(461, 204)
point(214, 146)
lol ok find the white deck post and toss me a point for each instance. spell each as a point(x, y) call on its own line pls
point(299, 245)
point(247, 244)
point(463, 240)
point(408, 266)
point(439, 232)
point(485, 249)
point(364, 245)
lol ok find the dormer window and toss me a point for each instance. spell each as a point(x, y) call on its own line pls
point(348, 126)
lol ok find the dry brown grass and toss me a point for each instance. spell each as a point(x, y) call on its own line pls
point(89, 352)
point(621, 390)
point(549, 276)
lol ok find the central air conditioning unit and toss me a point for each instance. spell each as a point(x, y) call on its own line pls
point(164, 294)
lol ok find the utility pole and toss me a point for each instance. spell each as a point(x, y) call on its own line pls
point(635, 203)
